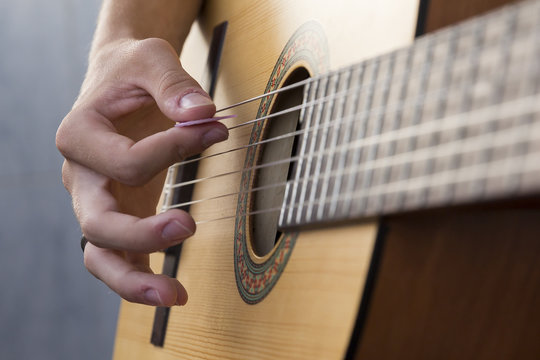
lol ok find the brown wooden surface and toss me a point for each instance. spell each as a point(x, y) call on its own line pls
point(457, 285)
point(443, 13)
point(462, 283)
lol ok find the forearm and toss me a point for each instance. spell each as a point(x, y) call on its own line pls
point(140, 19)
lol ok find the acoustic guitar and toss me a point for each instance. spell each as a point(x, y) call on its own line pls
point(376, 198)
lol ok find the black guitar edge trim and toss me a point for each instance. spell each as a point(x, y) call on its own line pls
point(186, 173)
point(422, 18)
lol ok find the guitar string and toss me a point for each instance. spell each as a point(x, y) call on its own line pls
point(349, 118)
point(419, 130)
point(373, 85)
point(336, 96)
point(283, 112)
point(496, 17)
point(273, 139)
point(385, 110)
point(510, 166)
point(265, 165)
point(333, 95)
point(481, 142)
point(497, 169)
point(286, 88)
point(399, 106)
point(289, 110)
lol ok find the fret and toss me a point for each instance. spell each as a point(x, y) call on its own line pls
point(411, 114)
point(336, 129)
point(438, 79)
point(345, 136)
point(311, 141)
point(398, 95)
point(441, 59)
point(511, 182)
point(444, 60)
point(456, 100)
point(452, 119)
point(167, 193)
point(361, 126)
point(529, 178)
point(464, 190)
point(461, 69)
point(525, 133)
point(492, 65)
point(285, 205)
point(449, 62)
point(493, 75)
point(446, 107)
point(505, 113)
point(309, 96)
point(320, 144)
point(435, 77)
point(291, 188)
point(497, 169)
point(474, 53)
point(409, 98)
point(526, 50)
point(422, 110)
point(380, 101)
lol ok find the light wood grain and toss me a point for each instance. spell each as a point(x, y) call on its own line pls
point(312, 309)
point(309, 314)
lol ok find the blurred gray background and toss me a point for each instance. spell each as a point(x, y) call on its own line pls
point(50, 307)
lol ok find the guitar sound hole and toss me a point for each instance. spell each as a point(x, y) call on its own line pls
point(264, 224)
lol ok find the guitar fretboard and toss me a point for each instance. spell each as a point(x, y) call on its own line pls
point(452, 119)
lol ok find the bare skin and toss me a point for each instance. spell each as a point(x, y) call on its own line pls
point(118, 139)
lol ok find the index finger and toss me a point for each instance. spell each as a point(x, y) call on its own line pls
point(90, 139)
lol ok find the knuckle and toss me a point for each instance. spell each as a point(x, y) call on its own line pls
point(181, 152)
point(66, 177)
point(152, 44)
point(89, 261)
point(89, 225)
point(130, 173)
point(172, 79)
point(64, 138)
point(61, 139)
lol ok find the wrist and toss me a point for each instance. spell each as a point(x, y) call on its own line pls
point(125, 20)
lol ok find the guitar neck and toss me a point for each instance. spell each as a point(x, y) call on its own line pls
point(449, 120)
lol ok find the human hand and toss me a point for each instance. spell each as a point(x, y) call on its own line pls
point(117, 140)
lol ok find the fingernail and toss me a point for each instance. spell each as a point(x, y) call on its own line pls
point(193, 100)
point(213, 136)
point(175, 230)
point(152, 297)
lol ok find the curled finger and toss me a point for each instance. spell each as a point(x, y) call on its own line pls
point(132, 278)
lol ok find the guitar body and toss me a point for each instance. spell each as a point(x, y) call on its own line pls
point(457, 283)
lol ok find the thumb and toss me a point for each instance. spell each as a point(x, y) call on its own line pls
point(176, 93)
